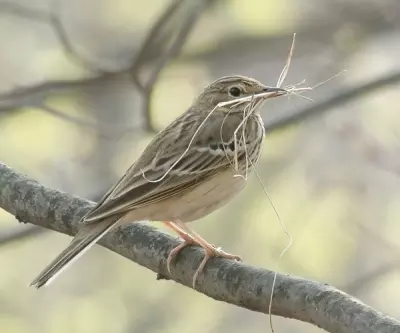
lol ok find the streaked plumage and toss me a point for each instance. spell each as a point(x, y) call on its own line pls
point(186, 172)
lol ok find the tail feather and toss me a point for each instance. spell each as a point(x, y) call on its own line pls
point(83, 241)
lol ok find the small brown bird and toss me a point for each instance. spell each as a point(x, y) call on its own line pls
point(190, 169)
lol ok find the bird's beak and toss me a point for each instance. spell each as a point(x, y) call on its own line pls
point(274, 89)
point(270, 92)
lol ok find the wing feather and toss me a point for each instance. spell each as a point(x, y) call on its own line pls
point(139, 191)
point(168, 167)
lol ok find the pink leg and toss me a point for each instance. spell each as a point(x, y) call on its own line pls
point(210, 250)
point(187, 240)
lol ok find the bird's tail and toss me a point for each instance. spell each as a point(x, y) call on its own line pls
point(83, 241)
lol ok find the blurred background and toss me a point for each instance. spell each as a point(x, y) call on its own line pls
point(84, 86)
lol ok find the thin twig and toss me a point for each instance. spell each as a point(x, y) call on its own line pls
point(173, 50)
point(110, 131)
point(153, 40)
point(66, 43)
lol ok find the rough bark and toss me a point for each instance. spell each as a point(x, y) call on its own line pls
point(223, 280)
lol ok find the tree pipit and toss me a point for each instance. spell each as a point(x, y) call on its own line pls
point(191, 168)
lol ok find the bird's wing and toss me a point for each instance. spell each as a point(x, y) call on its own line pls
point(166, 168)
point(151, 185)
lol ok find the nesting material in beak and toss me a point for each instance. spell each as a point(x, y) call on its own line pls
point(271, 92)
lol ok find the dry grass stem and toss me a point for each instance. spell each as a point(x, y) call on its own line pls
point(285, 69)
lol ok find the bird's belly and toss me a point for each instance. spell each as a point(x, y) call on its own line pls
point(200, 201)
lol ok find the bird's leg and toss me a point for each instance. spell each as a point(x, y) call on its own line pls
point(210, 250)
point(187, 240)
point(184, 235)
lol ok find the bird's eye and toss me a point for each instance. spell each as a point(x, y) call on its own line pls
point(235, 91)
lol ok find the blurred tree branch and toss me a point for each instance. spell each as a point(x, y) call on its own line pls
point(334, 101)
point(163, 43)
point(362, 24)
point(365, 280)
point(14, 234)
point(223, 280)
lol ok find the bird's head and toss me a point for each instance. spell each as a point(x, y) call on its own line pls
point(230, 88)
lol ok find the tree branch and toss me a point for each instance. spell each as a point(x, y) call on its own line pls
point(223, 280)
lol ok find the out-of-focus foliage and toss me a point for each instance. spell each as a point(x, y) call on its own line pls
point(334, 179)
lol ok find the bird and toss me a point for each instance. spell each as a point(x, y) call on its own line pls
point(191, 168)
